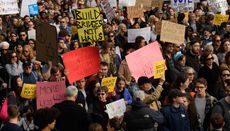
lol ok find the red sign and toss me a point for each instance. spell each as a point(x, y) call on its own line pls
point(81, 63)
point(50, 93)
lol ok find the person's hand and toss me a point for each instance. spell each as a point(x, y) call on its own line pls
point(4, 85)
point(114, 93)
point(162, 80)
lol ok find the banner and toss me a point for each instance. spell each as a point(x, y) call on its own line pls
point(127, 3)
point(217, 6)
point(109, 82)
point(116, 108)
point(133, 33)
point(157, 3)
point(108, 10)
point(25, 7)
point(28, 91)
point(8, 7)
point(33, 9)
point(172, 32)
point(141, 61)
point(183, 5)
point(47, 47)
point(50, 93)
point(89, 25)
point(159, 69)
point(81, 63)
point(218, 19)
point(135, 12)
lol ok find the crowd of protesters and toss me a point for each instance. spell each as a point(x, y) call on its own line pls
point(193, 95)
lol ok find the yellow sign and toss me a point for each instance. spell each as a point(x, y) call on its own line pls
point(159, 69)
point(218, 19)
point(28, 91)
point(110, 82)
point(89, 25)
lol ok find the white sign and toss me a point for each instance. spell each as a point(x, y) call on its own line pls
point(133, 33)
point(218, 6)
point(91, 3)
point(32, 34)
point(182, 5)
point(8, 7)
point(116, 108)
point(113, 3)
point(25, 7)
point(127, 3)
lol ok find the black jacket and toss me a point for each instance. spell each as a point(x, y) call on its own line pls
point(72, 118)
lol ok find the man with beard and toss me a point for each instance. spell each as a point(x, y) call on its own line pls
point(192, 55)
point(223, 107)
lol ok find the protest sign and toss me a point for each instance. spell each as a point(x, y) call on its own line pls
point(172, 32)
point(182, 5)
point(108, 10)
point(157, 3)
point(217, 6)
point(89, 24)
point(33, 9)
point(133, 33)
point(81, 63)
point(218, 19)
point(116, 108)
point(159, 69)
point(113, 3)
point(146, 4)
point(8, 7)
point(28, 91)
point(47, 47)
point(127, 3)
point(135, 12)
point(25, 7)
point(32, 34)
point(50, 93)
point(109, 82)
point(158, 27)
point(91, 3)
point(141, 61)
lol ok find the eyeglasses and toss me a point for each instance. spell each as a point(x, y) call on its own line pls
point(22, 34)
point(26, 51)
point(62, 21)
point(4, 49)
point(200, 87)
point(13, 36)
point(217, 40)
point(190, 74)
point(100, 94)
point(210, 58)
point(111, 35)
point(226, 75)
point(14, 56)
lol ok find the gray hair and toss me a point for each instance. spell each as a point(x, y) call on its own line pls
point(71, 91)
point(140, 94)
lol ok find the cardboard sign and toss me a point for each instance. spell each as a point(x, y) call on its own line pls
point(31, 34)
point(108, 10)
point(8, 7)
point(172, 32)
point(25, 7)
point(47, 47)
point(141, 61)
point(182, 5)
point(50, 93)
point(127, 3)
point(89, 25)
point(133, 33)
point(217, 6)
point(116, 108)
point(28, 91)
point(218, 19)
point(33, 9)
point(159, 69)
point(157, 3)
point(109, 82)
point(135, 12)
point(81, 63)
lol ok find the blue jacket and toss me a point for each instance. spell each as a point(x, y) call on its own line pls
point(124, 94)
point(176, 119)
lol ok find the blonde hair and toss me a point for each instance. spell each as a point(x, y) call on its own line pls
point(31, 53)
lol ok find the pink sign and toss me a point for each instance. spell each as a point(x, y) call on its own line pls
point(49, 93)
point(141, 61)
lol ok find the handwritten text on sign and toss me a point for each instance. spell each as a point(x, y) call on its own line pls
point(159, 69)
point(8, 7)
point(89, 25)
point(182, 5)
point(109, 82)
point(28, 91)
point(81, 63)
point(116, 108)
point(49, 93)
